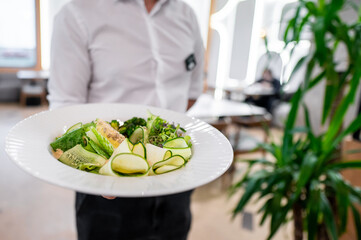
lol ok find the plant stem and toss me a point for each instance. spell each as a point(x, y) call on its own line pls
point(322, 233)
point(298, 221)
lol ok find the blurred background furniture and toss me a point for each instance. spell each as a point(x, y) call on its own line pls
point(208, 107)
point(33, 85)
point(244, 142)
point(9, 88)
point(232, 118)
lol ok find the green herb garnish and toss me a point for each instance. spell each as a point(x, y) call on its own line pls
point(160, 130)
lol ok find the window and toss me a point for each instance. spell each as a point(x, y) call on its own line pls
point(18, 34)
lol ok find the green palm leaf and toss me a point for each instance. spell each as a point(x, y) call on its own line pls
point(341, 110)
point(313, 209)
point(328, 217)
point(344, 165)
point(253, 185)
point(357, 221)
point(287, 138)
point(342, 198)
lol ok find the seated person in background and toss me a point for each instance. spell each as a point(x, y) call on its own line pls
point(266, 84)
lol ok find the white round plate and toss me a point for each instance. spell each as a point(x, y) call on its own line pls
point(27, 144)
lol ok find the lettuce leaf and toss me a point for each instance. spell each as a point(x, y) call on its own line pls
point(69, 140)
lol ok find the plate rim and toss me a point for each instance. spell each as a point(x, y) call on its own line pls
point(60, 183)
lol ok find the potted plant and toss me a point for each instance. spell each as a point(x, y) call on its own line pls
point(303, 181)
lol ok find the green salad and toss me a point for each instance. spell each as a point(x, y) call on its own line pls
point(137, 147)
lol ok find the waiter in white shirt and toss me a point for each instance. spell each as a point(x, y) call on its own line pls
point(128, 51)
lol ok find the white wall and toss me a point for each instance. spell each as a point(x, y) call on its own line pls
point(233, 42)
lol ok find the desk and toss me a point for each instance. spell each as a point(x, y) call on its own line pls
point(33, 75)
point(229, 90)
point(258, 90)
point(208, 107)
point(33, 85)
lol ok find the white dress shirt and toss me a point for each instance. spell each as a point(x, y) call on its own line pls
point(115, 51)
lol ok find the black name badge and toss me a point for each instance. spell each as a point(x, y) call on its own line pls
point(190, 62)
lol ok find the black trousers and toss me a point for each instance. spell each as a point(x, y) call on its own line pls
point(151, 218)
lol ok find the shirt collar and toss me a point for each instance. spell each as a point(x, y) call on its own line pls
point(157, 6)
point(161, 1)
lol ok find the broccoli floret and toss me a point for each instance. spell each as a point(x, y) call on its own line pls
point(129, 126)
point(115, 124)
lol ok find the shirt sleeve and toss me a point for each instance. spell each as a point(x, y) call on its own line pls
point(196, 86)
point(70, 67)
